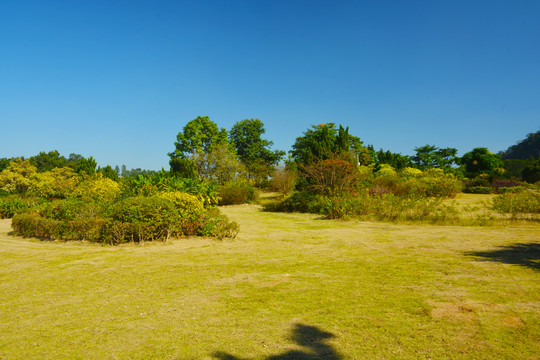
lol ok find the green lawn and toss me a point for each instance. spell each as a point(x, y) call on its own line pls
point(290, 286)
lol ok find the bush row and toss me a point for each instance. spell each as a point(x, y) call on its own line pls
point(387, 206)
point(132, 219)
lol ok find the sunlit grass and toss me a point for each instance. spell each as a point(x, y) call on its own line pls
point(384, 291)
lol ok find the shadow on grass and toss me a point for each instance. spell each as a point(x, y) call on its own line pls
point(310, 337)
point(527, 255)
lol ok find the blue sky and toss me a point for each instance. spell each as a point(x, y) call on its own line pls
point(117, 80)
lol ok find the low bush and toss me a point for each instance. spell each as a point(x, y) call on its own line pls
point(389, 207)
point(11, 205)
point(34, 225)
point(524, 202)
point(477, 189)
point(236, 192)
point(299, 201)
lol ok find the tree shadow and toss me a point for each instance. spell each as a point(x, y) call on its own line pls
point(527, 255)
point(310, 337)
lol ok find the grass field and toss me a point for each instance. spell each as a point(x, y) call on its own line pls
point(290, 286)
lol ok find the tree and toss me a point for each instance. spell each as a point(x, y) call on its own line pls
point(48, 161)
point(481, 161)
point(86, 165)
point(200, 134)
point(18, 176)
point(531, 173)
point(430, 156)
point(253, 151)
point(395, 160)
point(109, 173)
point(525, 149)
point(324, 142)
point(220, 164)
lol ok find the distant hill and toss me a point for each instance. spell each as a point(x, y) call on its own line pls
point(530, 146)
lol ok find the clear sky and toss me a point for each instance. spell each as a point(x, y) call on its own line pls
point(117, 80)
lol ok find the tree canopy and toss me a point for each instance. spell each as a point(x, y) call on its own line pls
point(481, 161)
point(324, 141)
point(430, 156)
point(200, 134)
point(525, 149)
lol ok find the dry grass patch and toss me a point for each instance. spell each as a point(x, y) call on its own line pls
point(289, 285)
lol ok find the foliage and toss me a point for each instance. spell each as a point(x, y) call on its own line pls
point(430, 156)
point(237, 192)
point(86, 166)
point(525, 149)
point(10, 205)
point(216, 224)
point(48, 161)
point(72, 209)
point(18, 176)
point(198, 135)
point(33, 225)
point(331, 176)
point(283, 180)
point(325, 141)
point(298, 201)
point(531, 173)
point(253, 151)
point(163, 181)
point(409, 171)
point(189, 207)
point(481, 161)
point(219, 164)
point(57, 183)
point(389, 207)
point(109, 173)
point(478, 190)
point(183, 167)
point(385, 207)
point(395, 160)
point(524, 202)
point(386, 170)
point(96, 188)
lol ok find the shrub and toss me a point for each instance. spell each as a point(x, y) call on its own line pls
point(300, 201)
point(525, 202)
point(96, 188)
point(9, 206)
point(236, 192)
point(477, 189)
point(389, 207)
point(283, 181)
point(214, 223)
point(72, 209)
point(34, 225)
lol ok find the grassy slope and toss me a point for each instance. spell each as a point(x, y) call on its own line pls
point(383, 291)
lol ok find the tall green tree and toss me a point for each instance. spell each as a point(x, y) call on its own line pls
point(48, 161)
point(430, 156)
point(254, 151)
point(200, 134)
point(525, 149)
point(325, 141)
point(481, 161)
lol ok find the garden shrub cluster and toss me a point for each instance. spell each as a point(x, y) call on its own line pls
point(61, 204)
point(237, 192)
point(523, 202)
point(385, 194)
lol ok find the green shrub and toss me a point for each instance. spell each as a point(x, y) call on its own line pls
point(10, 205)
point(298, 201)
point(215, 224)
point(34, 225)
point(525, 202)
point(72, 209)
point(237, 192)
point(511, 189)
point(389, 207)
point(478, 190)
